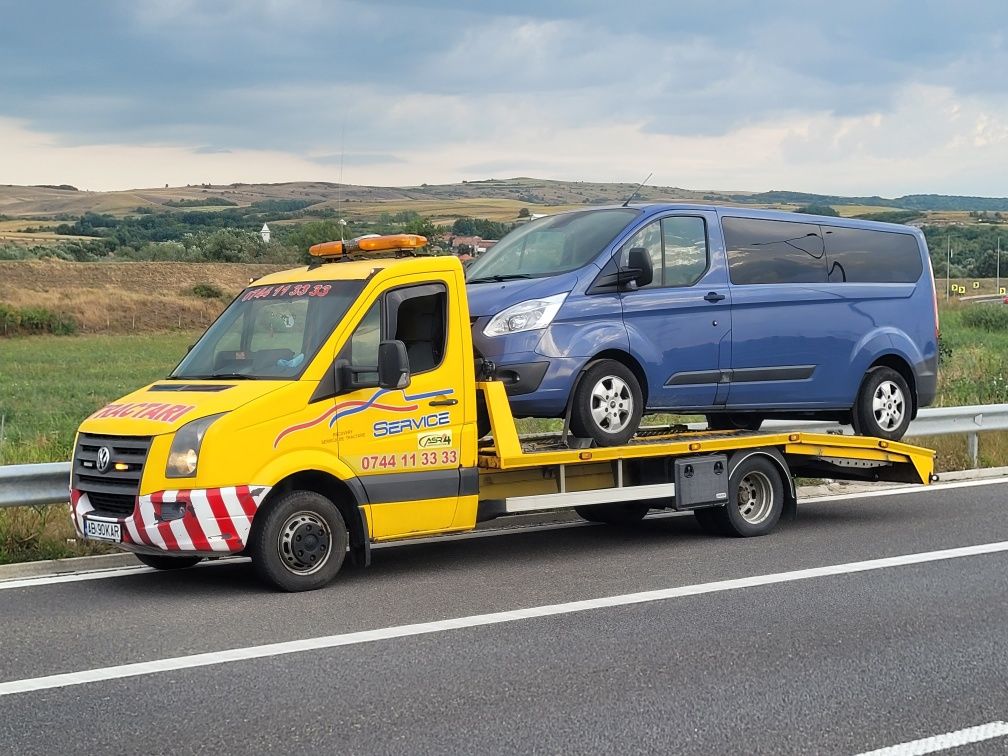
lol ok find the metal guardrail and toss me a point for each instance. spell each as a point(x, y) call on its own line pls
point(34, 485)
point(38, 485)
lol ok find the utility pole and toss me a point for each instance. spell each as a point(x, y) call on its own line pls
point(998, 274)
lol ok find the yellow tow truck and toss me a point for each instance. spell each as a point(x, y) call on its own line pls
point(338, 404)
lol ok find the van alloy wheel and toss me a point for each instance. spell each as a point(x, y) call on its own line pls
point(888, 405)
point(607, 403)
point(612, 404)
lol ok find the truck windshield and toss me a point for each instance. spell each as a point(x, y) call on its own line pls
point(269, 332)
point(551, 245)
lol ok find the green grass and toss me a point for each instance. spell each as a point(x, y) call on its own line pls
point(48, 384)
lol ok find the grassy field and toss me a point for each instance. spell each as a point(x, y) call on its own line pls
point(51, 383)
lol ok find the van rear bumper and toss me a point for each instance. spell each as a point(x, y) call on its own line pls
point(927, 387)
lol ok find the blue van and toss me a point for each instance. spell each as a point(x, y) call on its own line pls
point(740, 315)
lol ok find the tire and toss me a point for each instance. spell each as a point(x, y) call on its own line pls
point(608, 404)
point(301, 542)
point(734, 421)
point(883, 405)
point(614, 514)
point(159, 562)
point(755, 498)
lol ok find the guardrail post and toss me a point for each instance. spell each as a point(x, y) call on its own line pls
point(973, 442)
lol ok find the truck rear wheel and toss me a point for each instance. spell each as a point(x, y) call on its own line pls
point(301, 543)
point(608, 404)
point(614, 514)
point(755, 499)
point(159, 562)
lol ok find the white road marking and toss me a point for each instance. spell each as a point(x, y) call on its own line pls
point(514, 530)
point(944, 742)
point(424, 628)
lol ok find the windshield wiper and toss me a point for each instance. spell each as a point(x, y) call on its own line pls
point(499, 277)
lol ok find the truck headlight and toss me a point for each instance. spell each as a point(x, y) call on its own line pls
point(185, 447)
point(525, 316)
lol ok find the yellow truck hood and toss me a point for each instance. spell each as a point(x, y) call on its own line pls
point(166, 406)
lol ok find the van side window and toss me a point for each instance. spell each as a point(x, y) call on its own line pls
point(855, 255)
point(764, 251)
point(418, 318)
point(684, 239)
point(650, 239)
point(677, 246)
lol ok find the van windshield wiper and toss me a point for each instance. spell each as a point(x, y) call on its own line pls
point(499, 277)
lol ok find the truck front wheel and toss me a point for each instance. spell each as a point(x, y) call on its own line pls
point(301, 543)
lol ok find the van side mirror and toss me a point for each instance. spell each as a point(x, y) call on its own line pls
point(639, 262)
point(393, 365)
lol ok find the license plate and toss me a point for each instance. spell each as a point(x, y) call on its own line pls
point(99, 530)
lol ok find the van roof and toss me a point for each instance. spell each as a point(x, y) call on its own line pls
point(653, 208)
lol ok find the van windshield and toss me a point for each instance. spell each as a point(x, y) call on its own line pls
point(551, 245)
point(269, 332)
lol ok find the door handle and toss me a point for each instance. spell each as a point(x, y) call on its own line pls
point(713, 296)
point(442, 403)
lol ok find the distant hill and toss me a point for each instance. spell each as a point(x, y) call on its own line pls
point(65, 202)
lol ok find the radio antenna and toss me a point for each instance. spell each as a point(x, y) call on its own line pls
point(339, 185)
point(639, 186)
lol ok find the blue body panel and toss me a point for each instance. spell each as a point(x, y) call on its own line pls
point(778, 349)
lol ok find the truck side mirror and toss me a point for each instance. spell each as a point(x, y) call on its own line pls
point(393, 365)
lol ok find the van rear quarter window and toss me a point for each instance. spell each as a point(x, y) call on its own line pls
point(856, 255)
point(764, 251)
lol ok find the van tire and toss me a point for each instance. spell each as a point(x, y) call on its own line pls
point(883, 406)
point(607, 396)
point(299, 518)
point(165, 562)
point(614, 514)
point(755, 498)
point(734, 421)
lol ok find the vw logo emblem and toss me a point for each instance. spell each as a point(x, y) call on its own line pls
point(104, 459)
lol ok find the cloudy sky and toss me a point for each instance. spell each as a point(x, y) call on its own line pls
point(849, 97)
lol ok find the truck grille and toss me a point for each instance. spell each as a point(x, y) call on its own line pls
point(115, 490)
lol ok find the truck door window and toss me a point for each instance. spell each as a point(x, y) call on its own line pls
point(363, 346)
point(418, 316)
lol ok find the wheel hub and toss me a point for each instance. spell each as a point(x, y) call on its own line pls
point(304, 543)
point(611, 404)
point(888, 405)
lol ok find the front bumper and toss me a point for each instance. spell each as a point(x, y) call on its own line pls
point(216, 521)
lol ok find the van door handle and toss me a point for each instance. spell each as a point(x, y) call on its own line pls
point(442, 402)
point(713, 296)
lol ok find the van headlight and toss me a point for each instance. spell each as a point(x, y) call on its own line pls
point(525, 316)
point(185, 447)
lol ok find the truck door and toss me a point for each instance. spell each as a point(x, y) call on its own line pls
point(680, 323)
point(404, 444)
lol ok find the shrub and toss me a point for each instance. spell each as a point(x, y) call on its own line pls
point(986, 317)
point(33, 320)
point(207, 291)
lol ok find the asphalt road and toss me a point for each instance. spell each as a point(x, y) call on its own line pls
point(813, 663)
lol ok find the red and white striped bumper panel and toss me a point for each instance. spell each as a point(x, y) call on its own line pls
point(215, 520)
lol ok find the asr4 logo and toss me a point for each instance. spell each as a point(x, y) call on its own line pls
point(394, 427)
point(437, 440)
